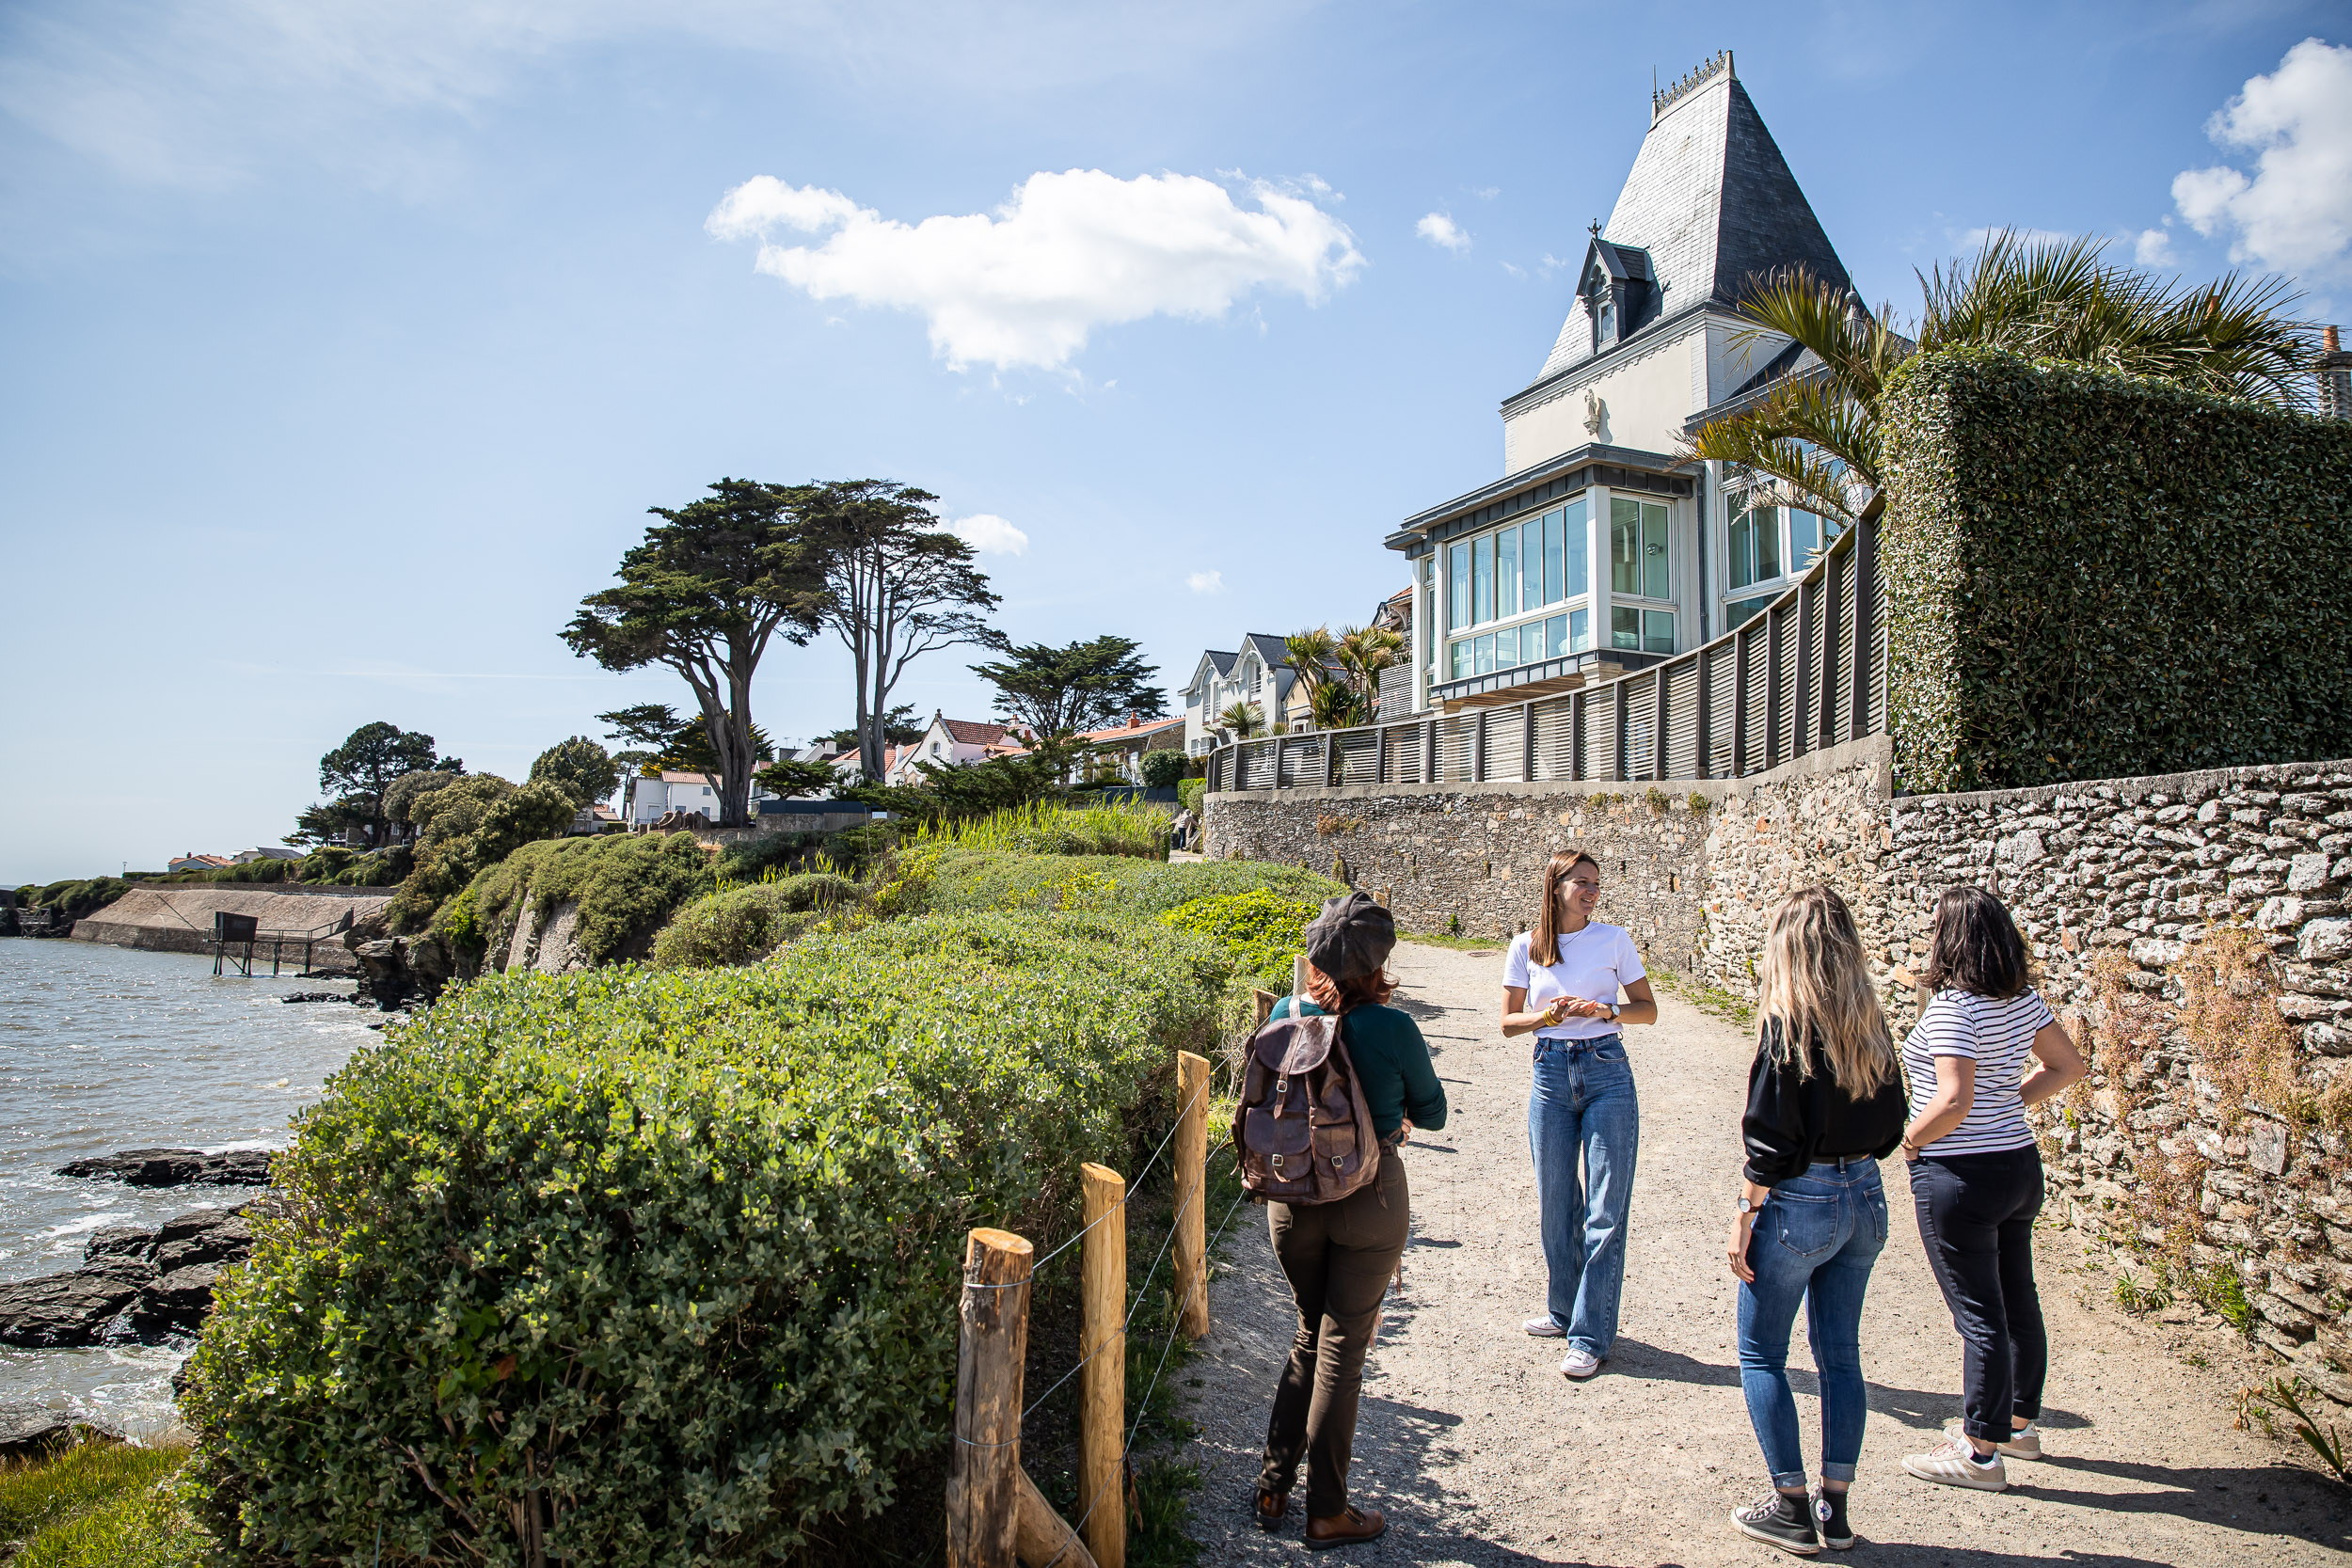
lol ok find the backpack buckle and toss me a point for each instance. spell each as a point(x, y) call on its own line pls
point(1276, 1160)
point(1281, 1088)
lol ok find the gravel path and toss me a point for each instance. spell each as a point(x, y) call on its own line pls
point(1481, 1452)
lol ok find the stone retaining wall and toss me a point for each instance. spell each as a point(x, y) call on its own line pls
point(2116, 884)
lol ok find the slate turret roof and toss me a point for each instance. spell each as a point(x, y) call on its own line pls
point(1711, 203)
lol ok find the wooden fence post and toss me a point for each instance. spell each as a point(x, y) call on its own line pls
point(1191, 1245)
point(984, 1478)
point(1102, 1383)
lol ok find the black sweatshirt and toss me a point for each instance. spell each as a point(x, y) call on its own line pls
point(1793, 1120)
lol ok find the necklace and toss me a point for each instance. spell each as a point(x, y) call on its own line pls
point(1560, 945)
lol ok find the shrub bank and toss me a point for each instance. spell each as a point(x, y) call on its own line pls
point(2090, 575)
point(956, 879)
point(660, 1267)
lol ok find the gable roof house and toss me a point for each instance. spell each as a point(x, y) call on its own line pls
point(1259, 673)
point(1600, 550)
point(1117, 752)
point(954, 742)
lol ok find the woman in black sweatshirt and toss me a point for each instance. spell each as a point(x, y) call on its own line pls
point(1826, 1105)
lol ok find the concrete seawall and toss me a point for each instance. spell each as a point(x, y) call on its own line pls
point(179, 918)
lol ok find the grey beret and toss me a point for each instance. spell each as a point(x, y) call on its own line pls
point(1351, 938)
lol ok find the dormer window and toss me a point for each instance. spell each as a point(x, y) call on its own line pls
point(1618, 289)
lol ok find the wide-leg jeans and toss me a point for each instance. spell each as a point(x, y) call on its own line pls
point(1582, 1112)
point(1815, 1239)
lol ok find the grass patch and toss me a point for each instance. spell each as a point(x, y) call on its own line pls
point(1707, 996)
point(1459, 944)
point(1046, 827)
point(103, 1505)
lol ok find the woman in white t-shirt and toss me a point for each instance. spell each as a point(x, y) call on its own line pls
point(1985, 1048)
point(1564, 980)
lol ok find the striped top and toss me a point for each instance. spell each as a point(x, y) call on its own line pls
point(1997, 1034)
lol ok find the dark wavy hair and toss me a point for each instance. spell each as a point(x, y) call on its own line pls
point(1341, 997)
point(1975, 946)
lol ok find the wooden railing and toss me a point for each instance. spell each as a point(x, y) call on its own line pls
point(1806, 673)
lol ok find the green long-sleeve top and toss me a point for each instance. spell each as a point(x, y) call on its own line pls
point(1392, 1062)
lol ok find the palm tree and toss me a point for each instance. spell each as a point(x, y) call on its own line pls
point(1312, 653)
point(1815, 439)
point(1243, 719)
point(1361, 653)
point(1337, 704)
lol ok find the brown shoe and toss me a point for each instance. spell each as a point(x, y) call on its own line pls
point(1345, 1529)
point(1268, 1507)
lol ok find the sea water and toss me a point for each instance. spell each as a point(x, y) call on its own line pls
point(104, 1049)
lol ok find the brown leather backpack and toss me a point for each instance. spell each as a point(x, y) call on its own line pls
point(1302, 1131)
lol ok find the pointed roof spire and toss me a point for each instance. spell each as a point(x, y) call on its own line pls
point(1712, 201)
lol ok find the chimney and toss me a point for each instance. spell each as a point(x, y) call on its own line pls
point(1132, 721)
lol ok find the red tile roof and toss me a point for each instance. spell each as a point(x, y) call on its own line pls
point(1128, 732)
point(967, 732)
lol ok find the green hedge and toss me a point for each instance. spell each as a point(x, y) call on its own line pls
point(2091, 575)
point(1261, 930)
point(670, 1257)
point(626, 885)
point(989, 879)
point(747, 922)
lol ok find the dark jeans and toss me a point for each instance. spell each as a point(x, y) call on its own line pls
point(1976, 1216)
point(1816, 1241)
point(1339, 1258)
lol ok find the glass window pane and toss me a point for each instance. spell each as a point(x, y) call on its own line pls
point(1767, 543)
point(1555, 588)
point(1579, 631)
point(1624, 627)
point(1738, 615)
point(1507, 649)
point(1457, 586)
point(1485, 657)
point(1483, 579)
point(1532, 565)
point(1655, 583)
point(1458, 653)
point(1658, 631)
point(1507, 572)
point(1576, 580)
point(1805, 537)
point(1742, 556)
point(1556, 635)
point(1624, 546)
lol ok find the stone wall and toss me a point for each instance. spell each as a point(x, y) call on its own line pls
point(2223, 1148)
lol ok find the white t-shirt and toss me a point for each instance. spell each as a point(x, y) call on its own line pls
point(1593, 964)
point(1995, 1032)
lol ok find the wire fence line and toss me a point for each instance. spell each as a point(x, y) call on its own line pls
point(1132, 1183)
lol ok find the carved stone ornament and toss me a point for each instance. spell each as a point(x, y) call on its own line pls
point(1594, 411)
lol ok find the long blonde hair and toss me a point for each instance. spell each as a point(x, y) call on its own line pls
point(1815, 984)
point(1543, 943)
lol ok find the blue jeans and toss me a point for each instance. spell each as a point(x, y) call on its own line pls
point(1583, 1105)
point(1815, 1237)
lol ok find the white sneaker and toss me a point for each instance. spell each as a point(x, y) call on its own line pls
point(2024, 1443)
point(1544, 1328)
point(1955, 1464)
point(1579, 1363)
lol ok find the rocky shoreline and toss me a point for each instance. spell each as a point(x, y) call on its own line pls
point(137, 1284)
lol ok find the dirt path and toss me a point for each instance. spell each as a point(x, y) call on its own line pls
point(1481, 1452)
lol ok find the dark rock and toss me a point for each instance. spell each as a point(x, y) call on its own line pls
point(147, 1286)
point(35, 1431)
point(117, 1241)
point(177, 1167)
point(175, 1303)
point(315, 996)
point(69, 1308)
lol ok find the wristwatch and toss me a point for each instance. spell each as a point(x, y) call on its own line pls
point(1747, 1205)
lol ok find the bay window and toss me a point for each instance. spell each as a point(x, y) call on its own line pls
point(1516, 571)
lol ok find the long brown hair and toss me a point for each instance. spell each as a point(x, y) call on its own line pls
point(1815, 984)
point(1341, 997)
point(1543, 943)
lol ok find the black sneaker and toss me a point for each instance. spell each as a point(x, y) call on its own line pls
point(1780, 1519)
point(1829, 1519)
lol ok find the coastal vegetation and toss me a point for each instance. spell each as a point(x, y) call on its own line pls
point(97, 1504)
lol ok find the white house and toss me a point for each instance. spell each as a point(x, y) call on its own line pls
point(645, 801)
point(1260, 675)
point(955, 742)
point(1118, 750)
point(1600, 550)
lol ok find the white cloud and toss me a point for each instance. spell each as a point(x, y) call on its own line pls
point(2153, 247)
point(1439, 229)
point(1065, 254)
point(990, 534)
point(2294, 214)
point(1206, 583)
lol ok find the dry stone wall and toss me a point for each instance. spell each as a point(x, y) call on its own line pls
point(2195, 928)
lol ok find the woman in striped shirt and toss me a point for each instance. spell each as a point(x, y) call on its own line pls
point(1985, 1048)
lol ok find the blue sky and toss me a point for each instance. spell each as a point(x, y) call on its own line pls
point(345, 345)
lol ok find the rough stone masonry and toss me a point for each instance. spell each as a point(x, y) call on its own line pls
point(2116, 884)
